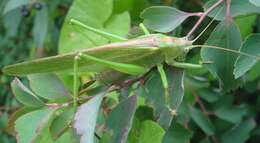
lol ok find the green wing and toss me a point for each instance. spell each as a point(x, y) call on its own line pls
point(138, 52)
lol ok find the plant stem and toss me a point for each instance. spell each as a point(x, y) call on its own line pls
point(203, 16)
point(228, 13)
point(203, 109)
point(198, 14)
point(75, 81)
point(197, 99)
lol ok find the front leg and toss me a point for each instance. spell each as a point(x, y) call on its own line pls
point(164, 82)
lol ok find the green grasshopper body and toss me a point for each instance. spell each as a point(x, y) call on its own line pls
point(132, 57)
point(145, 51)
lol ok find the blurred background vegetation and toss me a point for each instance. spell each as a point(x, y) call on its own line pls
point(33, 30)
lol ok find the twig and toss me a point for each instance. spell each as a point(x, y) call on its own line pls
point(203, 108)
point(198, 14)
point(203, 16)
point(200, 103)
point(111, 88)
point(228, 13)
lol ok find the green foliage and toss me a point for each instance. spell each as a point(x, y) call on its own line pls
point(226, 34)
point(40, 28)
point(119, 121)
point(84, 125)
point(246, 24)
point(73, 37)
point(162, 18)
point(238, 8)
point(202, 120)
point(48, 86)
point(177, 134)
point(225, 111)
point(241, 129)
point(24, 95)
point(255, 2)
point(218, 103)
point(37, 129)
point(13, 4)
point(150, 132)
point(243, 64)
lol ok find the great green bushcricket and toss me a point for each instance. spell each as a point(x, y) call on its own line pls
point(134, 57)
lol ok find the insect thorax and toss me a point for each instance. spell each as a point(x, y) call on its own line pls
point(173, 47)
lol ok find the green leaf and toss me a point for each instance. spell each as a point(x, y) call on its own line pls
point(36, 123)
point(97, 14)
point(177, 134)
point(238, 8)
point(176, 87)
point(14, 116)
point(118, 24)
point(239, 133)
point(40, 27)
point(13, 4)
point(62, 122)
point(225, 35)
point(255, 2)
point(92, 13)
point(119, 121)
point(48, 86)
point(245, 63)
point(122, 5)
point(134, 134)
point(209, 95)
point(68, 137)
point(137, 8)
point(163, 18)
point(246, 24)
point(254, 72)
point(3, 120)
point(155, 96)
point(2, 5)
point(230, 113)
point(45, 136)
point(206, 140)
point(24, 95)
point(151, 132)
point(202, 121)
point(86, 117)
point(142, 113)
point(12, 21)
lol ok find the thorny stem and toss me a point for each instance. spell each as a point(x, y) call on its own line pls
point(203, 16)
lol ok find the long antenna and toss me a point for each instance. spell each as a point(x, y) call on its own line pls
point(224, 49)
point(206, 28)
